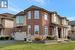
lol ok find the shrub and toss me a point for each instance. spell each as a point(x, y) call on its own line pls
point(1, 38)
point(38, 39)
point(50, 37)
point(5, 38)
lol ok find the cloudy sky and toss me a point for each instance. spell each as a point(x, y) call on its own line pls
point(63, 7)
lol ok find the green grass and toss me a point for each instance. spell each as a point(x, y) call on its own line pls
point(33, 46)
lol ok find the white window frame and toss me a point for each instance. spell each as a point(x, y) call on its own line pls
point(36, 27)
point(36, 14)
point(46, 16)
point(19, 18)
point(46, 30)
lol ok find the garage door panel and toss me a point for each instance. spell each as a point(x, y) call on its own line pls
point(20, 35)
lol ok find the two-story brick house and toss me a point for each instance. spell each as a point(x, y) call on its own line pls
point(35, 20)
point(6, 24)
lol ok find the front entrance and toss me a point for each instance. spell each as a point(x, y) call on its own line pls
point(59, 32)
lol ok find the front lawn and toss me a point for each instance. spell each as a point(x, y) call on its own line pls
point(32, 46)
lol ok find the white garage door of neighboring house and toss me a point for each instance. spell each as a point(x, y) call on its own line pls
point(19, 35)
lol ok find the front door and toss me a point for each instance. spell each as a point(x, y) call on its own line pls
point(59, 32)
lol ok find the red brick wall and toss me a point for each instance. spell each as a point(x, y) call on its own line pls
point(41, 22)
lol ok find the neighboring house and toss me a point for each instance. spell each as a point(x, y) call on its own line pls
point(38, 21)
point(72, 29)
point(59, 26)
point(6, 24)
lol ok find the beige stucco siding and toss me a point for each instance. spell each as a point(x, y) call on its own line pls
point(9, 23)
point(55, 19)
point(64, 22)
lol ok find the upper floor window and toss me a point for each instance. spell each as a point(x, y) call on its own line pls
point(46, 16)
point(64, 21)
point(55, 18)
point(19, 19)
point(36, 29)
point(29, 15)
point(36, 14)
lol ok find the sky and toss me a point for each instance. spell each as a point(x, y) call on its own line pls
point(65, 8)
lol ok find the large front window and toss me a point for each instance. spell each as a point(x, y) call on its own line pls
point(36, 29)
point(36, 14)
point(19, 19)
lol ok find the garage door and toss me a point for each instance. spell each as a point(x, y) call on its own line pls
point(20, 35)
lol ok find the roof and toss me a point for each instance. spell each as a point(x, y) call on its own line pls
point(7, 13)
point(31, 7)
point(72, 23)
point(35, 7)
point(38, 8)
point(20, 13)
point(6, 16)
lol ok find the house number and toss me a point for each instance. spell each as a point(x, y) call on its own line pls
point(3, 3)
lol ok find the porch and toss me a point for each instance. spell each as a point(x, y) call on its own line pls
point(60, 32)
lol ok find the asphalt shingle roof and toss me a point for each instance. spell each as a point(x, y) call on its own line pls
point(71, 22)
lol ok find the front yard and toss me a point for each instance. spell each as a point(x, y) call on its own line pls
point(34, 46)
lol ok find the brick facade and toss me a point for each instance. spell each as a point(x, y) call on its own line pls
point(59, 24)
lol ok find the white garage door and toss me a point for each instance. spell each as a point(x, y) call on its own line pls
point(20, 35)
